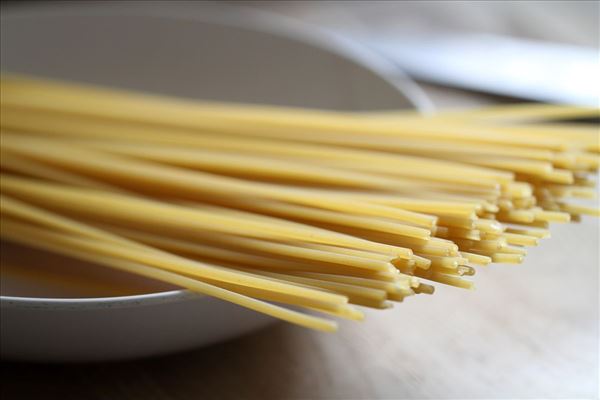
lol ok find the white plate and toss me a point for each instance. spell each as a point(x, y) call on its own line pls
point(185, 50)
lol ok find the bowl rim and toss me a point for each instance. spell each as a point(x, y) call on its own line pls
point(232, 16)
point(90, 303)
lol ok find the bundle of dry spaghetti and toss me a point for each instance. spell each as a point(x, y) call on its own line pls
point(268, 207)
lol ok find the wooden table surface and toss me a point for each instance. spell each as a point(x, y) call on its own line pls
point(528, 331)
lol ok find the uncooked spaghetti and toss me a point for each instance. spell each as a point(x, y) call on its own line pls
point(268, 206)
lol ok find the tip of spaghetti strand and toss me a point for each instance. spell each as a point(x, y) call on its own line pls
point(507, 258)
point(466, 270)
point(353, 314)
point(424, 288)
point(331, 327)
point(552, 216)
point(386, 305)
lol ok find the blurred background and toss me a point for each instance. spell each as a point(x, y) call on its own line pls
point(531, 334)
point(511, 48)
point(572, 22)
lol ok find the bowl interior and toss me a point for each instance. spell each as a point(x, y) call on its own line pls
point(27, 272)
point(199, 59)
point(189, 58)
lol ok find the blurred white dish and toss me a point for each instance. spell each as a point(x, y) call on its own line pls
point(184, 50)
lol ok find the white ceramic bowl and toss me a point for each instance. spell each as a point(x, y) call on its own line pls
point(186, 50)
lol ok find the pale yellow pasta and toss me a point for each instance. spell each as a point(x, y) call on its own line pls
point(315, 209)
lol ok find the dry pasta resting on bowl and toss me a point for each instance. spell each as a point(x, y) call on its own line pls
point(49, 301)
point(302, 215)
